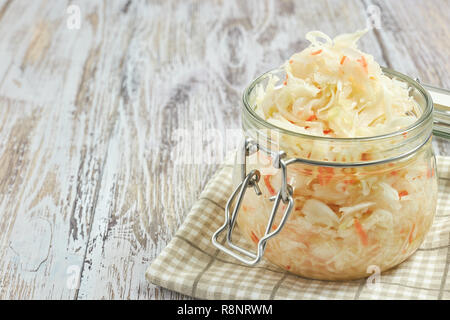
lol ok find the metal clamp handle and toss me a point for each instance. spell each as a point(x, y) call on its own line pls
point(249, 180)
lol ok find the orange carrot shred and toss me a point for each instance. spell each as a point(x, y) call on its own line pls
point(402, 193)
point(285, 83)
point(291, 61)
point(325, 175)
point(255, 239)
point(361, 233)
point(365, 156)
point(430, 172)
point(410, 239)
point(312, 118)
point(327, 170)
point(269, 186)
point(343, 59)
point(363, 62)
point(327, 131)
point(316, 52)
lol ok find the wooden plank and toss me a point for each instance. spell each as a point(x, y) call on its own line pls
point(57, 115)
point(415, 38)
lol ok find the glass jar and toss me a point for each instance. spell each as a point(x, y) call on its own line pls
point(331, 208)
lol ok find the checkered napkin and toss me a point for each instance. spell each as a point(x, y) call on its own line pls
point(190, 264)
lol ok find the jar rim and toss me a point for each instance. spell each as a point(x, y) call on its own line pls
point(426, 114)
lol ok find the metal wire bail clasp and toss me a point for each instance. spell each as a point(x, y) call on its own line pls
point(251, 180)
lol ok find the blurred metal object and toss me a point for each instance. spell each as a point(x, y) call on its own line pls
point(441, 113)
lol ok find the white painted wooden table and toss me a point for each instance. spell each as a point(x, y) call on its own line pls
point(87, 118)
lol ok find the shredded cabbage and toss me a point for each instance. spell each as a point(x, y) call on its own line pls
point(333, 89)
point(344, 219)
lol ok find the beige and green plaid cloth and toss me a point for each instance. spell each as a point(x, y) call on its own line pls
point(191, 265)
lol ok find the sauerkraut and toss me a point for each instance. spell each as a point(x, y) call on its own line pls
point(345, 219)
point(333, 89)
